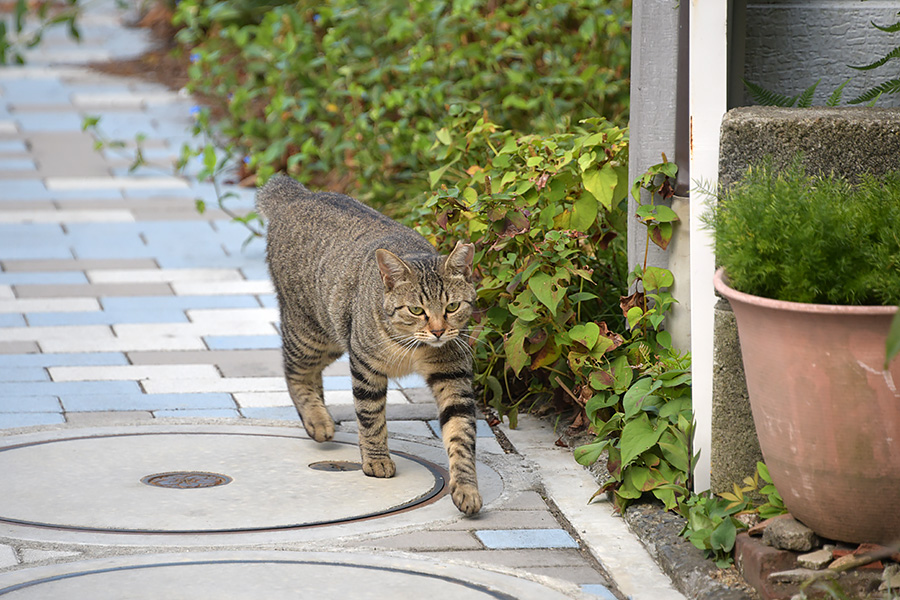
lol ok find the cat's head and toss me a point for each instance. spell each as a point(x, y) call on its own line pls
point(428, 298)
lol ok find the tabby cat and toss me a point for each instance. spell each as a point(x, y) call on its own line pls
point(350, 280)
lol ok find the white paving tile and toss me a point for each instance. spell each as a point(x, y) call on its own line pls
point(67, 216)
point(8, 127)
point(41, 305)
point(134, 372)
point(44, 334)
point(235, 327)
point(223, 288)
point(30, 555)
point(58, 184)
point(264, 399)
point(6, 293)
point(7, 557)
point(162, 275)
point(126, 99)
point(233, 315)
point(224, 385)
point(124, 344)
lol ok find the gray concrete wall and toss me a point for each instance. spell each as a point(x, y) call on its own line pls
point(790, 44)
point(847, 141)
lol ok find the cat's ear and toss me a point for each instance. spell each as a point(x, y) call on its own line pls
point(393, 269)
point(461, 259)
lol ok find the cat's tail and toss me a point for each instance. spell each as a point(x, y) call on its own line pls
point(279, 189)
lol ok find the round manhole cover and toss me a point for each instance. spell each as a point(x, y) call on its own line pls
point(242, 482)
point(186, 480)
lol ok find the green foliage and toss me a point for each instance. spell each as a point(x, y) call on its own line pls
point(544, 214)
point(712, 524)
point(351, 97)
point(787, 235)
point(14, 42)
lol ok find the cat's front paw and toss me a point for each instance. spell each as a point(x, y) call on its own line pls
point(381, 467)
point(466, 498)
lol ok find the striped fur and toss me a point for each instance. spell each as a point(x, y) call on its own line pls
point(350, 280)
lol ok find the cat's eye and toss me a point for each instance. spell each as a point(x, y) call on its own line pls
point(416, 310)
point(452, 307)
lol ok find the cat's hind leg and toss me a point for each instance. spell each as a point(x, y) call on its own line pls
point(304, 361)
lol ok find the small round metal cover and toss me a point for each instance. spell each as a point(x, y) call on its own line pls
point(335, 466)
point(184, 480)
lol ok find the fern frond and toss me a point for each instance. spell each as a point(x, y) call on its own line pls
point(806, 98)
point(895, 53)
point(766, 97)
point(835, 97)
point(887, 28)
point(888, 87)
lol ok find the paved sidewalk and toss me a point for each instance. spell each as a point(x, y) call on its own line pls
point(135, 332)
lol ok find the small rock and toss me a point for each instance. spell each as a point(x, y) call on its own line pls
point(854, 561)
point(798, 576)
point(748, 519)
point(815, 560)
point(890, 579)
point(790, 534)
point(758, 529)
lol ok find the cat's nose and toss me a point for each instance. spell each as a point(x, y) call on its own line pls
point(438, 332)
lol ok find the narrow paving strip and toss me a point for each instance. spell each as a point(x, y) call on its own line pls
point(143, 411)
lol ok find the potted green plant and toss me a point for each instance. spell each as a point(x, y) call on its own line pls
point(811, 267)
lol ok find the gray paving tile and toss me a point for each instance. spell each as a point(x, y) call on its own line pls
point(526, 501)
point(584, 574)
point(75, 264)
point(509, 519)
point(67, 154)
point(94, 290)
point(482, 429)
point(199, 413)
point(63, 359)
point(515, 558)
point(426, 541)
point(19, 348)
point(95, 419)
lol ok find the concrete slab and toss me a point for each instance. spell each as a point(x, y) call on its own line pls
point(275, 575)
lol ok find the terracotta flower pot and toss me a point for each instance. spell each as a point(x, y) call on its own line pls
point(826, 413)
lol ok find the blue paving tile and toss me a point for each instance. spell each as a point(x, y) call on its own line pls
point(35, 91)
point(482, 429)
point(102, 240)
point(125, 125)
point(33, 240)
point(24, 374)
point(17, 164)
point(24, 404)
point(10, 420)
point(47, 277)
point(274, 413)
point(257, 270)
point(268, 300)
point(49, 121)
point(411, 381)
point(242, 342)
point(497, 539)
point(337, 382)
point(25, 189)
point(135, 303)
point(108, 317)
point(11, 320)
point(208, 413)
point(13, 146)
point(598, 590)
point(138, 401)
point(63, 359)
point(58, 388)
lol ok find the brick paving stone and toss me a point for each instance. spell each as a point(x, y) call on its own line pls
point(93, 290)
point(75, 264)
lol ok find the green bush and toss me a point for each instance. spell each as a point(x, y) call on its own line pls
point(349, 96)
point(791, 236)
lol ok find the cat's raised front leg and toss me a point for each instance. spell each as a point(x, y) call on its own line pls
point(451, 384)
point(304, 361)
point(370, 400)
